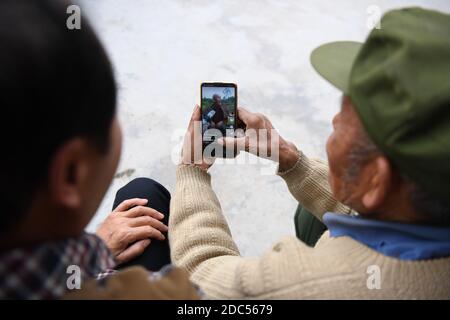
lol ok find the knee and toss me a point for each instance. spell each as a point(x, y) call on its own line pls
point(145, 186)
point(143, 183)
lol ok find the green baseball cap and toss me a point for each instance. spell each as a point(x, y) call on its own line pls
point(399, 83)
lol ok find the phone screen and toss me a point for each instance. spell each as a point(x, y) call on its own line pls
point(219, 111)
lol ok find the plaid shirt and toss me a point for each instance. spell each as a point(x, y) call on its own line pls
point(41, 271)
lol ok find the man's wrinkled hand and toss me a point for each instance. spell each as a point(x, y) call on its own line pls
point(192, 153)
point(262, 140)
point(129, 229)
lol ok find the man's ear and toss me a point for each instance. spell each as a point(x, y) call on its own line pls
point(67, 172)
point(379, 183)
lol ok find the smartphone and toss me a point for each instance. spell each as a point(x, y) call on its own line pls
point(219, 116)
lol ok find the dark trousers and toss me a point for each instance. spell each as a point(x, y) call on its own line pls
point(307, 227)
point(157, 254)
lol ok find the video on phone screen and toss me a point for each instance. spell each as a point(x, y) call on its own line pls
point(218, 112)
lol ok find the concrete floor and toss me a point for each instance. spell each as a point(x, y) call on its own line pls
point(163, 50)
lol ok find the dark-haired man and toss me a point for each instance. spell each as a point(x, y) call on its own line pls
point(61, 143)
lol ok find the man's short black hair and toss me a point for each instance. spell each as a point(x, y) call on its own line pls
point(55, 84)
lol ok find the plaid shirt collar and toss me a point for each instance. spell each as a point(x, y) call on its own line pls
point(41, 271)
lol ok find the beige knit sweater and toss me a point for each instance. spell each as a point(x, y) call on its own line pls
point(336, 268)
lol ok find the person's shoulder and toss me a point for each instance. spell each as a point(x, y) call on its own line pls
point(137, 283)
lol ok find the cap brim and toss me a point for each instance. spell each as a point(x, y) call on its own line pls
point(334, 62)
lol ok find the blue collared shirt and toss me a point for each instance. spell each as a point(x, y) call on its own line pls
point(399, 240)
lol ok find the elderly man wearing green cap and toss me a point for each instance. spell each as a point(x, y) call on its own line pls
point(384, 193)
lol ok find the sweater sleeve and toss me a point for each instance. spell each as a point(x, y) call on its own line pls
point(308, 182)
point(199, 236)
point(198, 229)
point(201, 243)
point(201, 240)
